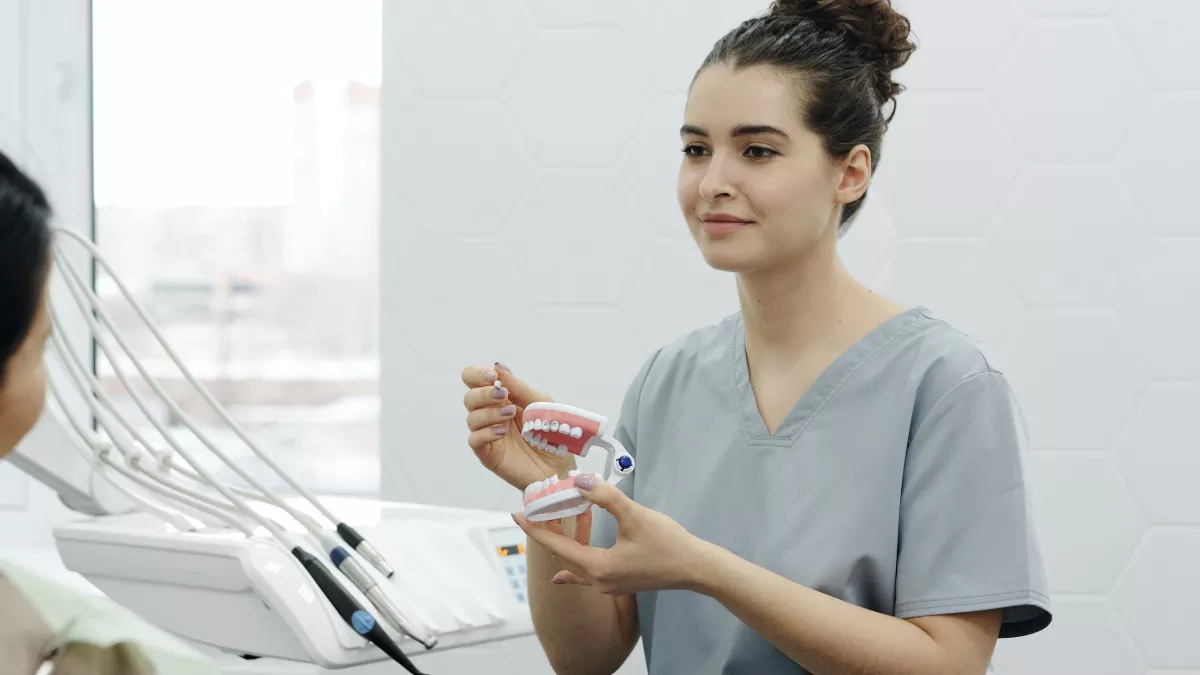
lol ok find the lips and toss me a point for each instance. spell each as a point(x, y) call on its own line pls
point(722, 223)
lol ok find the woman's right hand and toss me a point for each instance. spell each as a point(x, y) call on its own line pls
point(494, 418)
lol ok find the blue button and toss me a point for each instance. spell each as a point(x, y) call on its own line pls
point(362, 622)
point(624, 462)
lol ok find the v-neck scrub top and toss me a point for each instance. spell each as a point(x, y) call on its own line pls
point(896, 483)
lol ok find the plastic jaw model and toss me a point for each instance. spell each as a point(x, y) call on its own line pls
point(559, 429)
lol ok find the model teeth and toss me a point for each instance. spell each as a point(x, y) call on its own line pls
point(562, 451)
point(554, 425)
point(564, 429)
point(542, 442)
point(527, 427)
point(572, 473)
point(554, 479)
point(577, 432)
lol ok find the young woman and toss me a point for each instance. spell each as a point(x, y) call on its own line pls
point(827, 482)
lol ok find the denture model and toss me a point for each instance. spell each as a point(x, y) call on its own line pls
point(560, 429)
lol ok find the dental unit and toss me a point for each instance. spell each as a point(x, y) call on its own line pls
point(559, 429)
point(240, 568)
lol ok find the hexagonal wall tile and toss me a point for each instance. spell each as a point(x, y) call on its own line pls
point(650, 172)
point(1083, 117)
point(449, 186)
point(922, 173)
point(447, 38)
point(1087, 522)
point(561, 347)
point(1158, 596)
point(960, 281)
point(600, 95)
point(866, 246)
point(1061, 9)
point(1158, 455)
point(1158, 305)
point(1163, 35)
point(950, 58)
point(1160, 173)
point(672, 69)
point(1086, 636)
point(1060, 214)
point(577, 13)
point(476, 293)
point(575, 245)
point(1076, 376)
point(673, 273)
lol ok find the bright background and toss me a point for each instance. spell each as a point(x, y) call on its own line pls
point(333, 218)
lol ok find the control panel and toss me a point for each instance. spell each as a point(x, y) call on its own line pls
point(508, 545)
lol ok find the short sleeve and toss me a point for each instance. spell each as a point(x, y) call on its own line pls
point(967, 536)
point(604, 526)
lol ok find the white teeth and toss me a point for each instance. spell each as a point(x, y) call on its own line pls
point(577, 432)
point(530, 489)
point(527, 427)
point(564, 429)
point(554, 479)
point(562, 451)
point(539, 425)
point(542, 443)
point(554, 426)
point(572, 473)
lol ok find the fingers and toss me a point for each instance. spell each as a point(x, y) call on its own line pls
point(479, 376)
point(607, 496)
point(493, 415)
point(519, 391)
point(569, 577)
point(478, 440)
point(570, 552)
point(583, 528)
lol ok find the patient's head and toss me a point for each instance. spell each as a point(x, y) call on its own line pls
point(24, 315)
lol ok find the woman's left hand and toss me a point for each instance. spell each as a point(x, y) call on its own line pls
point(652, 551)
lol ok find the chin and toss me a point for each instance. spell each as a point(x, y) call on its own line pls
point(729, 255)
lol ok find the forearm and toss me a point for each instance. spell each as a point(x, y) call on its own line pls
point(825, 635)
point(580, 629)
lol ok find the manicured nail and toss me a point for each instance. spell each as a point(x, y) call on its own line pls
point(503, 367)
point(489, 376)
point(585, 481)
point(508, 410)
point(558, 581)
point(514, 516)
point(499, 393)
point(499, 431)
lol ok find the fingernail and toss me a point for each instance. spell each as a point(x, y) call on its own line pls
point(514, 516)
point(500, 431)
point(508, 410)
point(499, 393)
point(585, 481)
point(489, 376)
point(557, 581)
point(503, 367)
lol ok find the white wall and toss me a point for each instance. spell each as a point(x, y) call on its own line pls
point(44, 126)
point(1034, 190)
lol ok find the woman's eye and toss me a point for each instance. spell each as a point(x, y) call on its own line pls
point(759, 152)
point(693, 150)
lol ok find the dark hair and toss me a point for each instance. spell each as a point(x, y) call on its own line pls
point(24, 256)
point(844, 52)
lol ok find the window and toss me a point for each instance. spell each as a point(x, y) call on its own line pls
point(237, 195)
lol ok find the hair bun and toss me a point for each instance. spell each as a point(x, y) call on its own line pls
point(872, 28)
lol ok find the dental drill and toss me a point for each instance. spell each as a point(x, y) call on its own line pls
point(193, 508)
point(559, 429)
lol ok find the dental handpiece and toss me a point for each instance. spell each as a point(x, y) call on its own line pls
point(560, 430)
point(354, 570)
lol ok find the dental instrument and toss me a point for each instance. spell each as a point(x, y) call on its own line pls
point(559, 429)
point(226, 549)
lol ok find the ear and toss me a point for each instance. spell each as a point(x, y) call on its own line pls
point(855, 175)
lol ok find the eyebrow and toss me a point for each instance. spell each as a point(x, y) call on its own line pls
point(739, 130)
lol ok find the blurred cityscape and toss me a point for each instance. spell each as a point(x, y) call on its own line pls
point(273, 307)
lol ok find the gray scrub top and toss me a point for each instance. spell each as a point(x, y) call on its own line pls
point(895, 483)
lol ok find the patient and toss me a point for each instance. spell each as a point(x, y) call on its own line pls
point(25, 241)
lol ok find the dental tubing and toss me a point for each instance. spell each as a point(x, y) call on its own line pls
point(358, 618)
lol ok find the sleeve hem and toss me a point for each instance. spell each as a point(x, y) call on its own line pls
point(1029, 622)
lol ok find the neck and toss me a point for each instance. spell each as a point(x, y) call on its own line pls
point(793, 307)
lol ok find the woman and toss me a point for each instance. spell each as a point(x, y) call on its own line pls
point(827, 482)
point(26, 638)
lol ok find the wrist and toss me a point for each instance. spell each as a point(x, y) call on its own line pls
point(707, 569)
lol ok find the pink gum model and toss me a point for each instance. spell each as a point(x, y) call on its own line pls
point(560, 429)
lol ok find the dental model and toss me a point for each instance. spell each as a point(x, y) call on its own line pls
point(559, 429)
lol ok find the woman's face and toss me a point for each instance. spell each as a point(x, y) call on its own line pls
point(756, 186)
point(23, 393)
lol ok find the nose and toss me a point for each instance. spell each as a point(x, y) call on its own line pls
point(716, 182)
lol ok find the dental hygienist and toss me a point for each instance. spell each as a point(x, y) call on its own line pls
point(41, 621)
point(827, 482)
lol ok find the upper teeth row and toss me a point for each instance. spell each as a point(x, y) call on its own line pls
point(543, 484)
point(545, 425)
